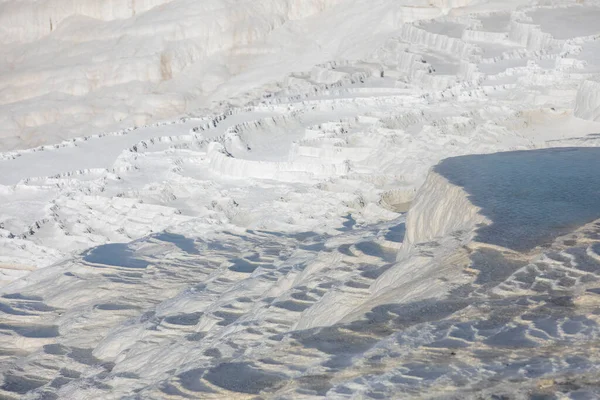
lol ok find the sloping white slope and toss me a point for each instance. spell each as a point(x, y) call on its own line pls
point(123, 63)
point(587, 104)
point(264, 240)
point(118, 63)
point(235, 314)
point(439, 210)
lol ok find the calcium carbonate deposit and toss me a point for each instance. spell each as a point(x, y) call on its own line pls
point(299, 199)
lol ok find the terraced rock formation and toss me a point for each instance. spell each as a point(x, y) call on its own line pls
point(267, 238)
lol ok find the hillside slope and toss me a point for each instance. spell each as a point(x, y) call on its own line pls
point(162, 248)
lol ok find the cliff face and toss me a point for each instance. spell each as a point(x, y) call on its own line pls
point(261, 246)
point(439, 209)
point(516, 200)
point(113, 64)
point(587, 103)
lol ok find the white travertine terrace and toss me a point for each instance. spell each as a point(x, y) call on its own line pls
point(299, 199)
point(587, 102)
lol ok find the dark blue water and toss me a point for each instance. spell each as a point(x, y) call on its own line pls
point(183, 243)
point(348, 224)
point(115, 254)
point(396, 233)
point(531, 197)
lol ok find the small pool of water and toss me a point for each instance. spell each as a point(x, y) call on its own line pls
point(182, 242)
point(115, 254)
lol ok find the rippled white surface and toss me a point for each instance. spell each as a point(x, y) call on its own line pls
point(261, 247)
